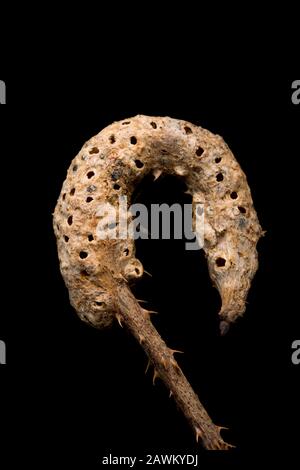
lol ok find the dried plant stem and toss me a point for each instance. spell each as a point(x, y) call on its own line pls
point(138, 322)
point(111, 165)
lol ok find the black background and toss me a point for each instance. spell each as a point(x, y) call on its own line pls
point(73, 394)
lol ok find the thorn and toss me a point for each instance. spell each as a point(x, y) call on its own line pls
point(148, 365)
point(141, 338)
point(181, 171)
point(170, 394)
point(156, 173)
point(146, 272)
point(119, 318)
point(220, 444)
point(229, 446)
point(155, 375)
point(174, 364)
point(222, 427)
point(148, 313)
point(216, 443)
point(198, 434)
point(164, 362)
point(173, 351)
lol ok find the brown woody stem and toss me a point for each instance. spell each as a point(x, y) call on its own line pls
point(166, 368)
